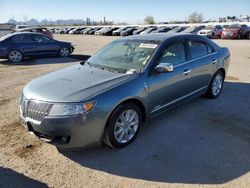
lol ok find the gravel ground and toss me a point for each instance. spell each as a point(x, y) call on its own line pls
point(202, 143)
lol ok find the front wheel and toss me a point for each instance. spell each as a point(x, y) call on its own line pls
point(15, 56)
point(216, 85)
point(64, 51)
point(123, 125)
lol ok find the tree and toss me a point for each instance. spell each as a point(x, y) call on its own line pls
point(195, 17)
point(149, 20)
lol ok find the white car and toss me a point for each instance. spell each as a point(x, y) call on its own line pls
point(212, 31)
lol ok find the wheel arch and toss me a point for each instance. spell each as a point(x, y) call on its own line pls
point(222, 70)
point(135, 101)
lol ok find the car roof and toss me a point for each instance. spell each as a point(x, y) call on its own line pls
point(161, 37)
point(26, 33)
point(29, 28)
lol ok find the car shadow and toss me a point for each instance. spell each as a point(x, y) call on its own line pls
point(48, 60)
point(200, 142)
point(10, 178)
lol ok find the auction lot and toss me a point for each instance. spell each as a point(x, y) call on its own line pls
point(202, 143)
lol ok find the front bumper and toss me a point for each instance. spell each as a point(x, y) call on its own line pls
point(67, 132)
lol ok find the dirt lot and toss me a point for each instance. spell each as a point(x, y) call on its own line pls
point(203, 143)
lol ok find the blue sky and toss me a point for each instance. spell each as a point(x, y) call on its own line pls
point(131, 11)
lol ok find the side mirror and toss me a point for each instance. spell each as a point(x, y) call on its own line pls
point(164, 67)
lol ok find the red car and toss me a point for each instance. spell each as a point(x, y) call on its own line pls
point(235, 31)
point(42, 30)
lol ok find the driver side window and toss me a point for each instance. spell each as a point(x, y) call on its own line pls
point(174, 54)
point(40, 38)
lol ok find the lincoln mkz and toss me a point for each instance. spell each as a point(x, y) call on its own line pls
point(110, 96)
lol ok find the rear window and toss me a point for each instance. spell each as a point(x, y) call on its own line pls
point(198, 49)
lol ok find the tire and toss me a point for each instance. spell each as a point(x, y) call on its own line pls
point(212, 36)
point(239, 36)
point(64, 52)
point(119, 132)
point(216, 85)
point(15, 56)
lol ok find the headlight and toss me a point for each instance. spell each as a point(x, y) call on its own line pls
point(64, 109)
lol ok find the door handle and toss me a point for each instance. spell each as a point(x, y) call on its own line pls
point(186, 72)
point(214, 61)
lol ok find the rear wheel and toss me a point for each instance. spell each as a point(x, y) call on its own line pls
point(123, 125)
point(15, 56)
point(64, 51)
point(216, 85)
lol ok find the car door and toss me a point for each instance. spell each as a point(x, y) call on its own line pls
point(167, 89)
point(45, 45)
point(24, 43)
point(203, 62)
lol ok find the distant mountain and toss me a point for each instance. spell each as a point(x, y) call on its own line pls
point(34, 22)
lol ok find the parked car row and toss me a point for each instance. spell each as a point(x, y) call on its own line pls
point(235, 31)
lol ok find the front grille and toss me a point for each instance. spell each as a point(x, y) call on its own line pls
point(35, 110)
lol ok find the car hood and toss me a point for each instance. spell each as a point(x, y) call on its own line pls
point(73, 84)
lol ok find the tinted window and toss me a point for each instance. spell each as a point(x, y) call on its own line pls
point(197, 49)
point(22, 38)
point(40, 38)
point(174, 54)
point(209, 49)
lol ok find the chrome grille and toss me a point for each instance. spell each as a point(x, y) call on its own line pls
point(35, 110)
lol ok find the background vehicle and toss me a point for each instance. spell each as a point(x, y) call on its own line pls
point(148, 30)
point(137, 32)
point(92, 32)
point(235, 31)
point(77, 30)
point(176, 29)
point(193, 30)
point(128, 31)
point(118, 31)
point(42, 30)
point(162, 30)
point(86, 31)
point(21, 26)
point(17, 46)
point(211, 31)
point(153, 72)
point(109, 31)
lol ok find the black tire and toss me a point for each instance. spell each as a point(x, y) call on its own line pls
point(212, 36)
point(109, 132)
point(15, 56)
point(210, 93)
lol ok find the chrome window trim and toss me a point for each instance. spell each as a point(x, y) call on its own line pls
point(195, 59)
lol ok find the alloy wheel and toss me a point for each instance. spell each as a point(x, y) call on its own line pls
point(15, 56)
point(217, 84)
point(126, 126)
point(64, 51)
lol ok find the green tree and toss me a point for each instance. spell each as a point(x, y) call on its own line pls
point(149, 20)
point(195, 17)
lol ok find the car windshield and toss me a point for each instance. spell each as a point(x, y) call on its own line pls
point(234, 27)
point(124, 56)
